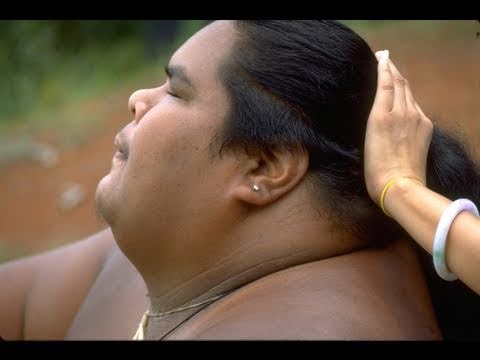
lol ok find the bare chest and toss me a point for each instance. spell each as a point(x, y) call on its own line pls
point(330, 301)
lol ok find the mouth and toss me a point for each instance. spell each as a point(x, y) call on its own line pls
point(122, 147)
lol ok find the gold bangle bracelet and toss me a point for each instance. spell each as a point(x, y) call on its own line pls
point(387, 186)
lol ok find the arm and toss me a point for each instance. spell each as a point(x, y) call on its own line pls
point(40, 294)
point(418, 209)
point(396, 144)
point(15, 281)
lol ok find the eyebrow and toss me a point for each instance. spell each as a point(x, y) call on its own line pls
point(178, 72)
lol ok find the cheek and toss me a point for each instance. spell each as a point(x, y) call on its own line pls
point(164, 156)
point(161, 147)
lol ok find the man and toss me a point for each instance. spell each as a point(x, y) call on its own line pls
point(217, 242)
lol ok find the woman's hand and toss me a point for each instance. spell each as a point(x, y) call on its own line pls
point(398, 132)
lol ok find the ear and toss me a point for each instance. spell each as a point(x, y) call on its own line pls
point(264, 178)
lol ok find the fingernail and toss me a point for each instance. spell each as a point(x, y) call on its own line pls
point(382, 56)
point(385, 56)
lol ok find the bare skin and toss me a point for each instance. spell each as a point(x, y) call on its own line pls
point(110, 298)
point(189, 226)
point(397, 141)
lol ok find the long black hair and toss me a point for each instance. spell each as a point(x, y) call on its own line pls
point(312, 83)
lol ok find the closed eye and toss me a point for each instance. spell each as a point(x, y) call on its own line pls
point(172, 94)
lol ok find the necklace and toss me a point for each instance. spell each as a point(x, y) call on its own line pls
point(139, 335)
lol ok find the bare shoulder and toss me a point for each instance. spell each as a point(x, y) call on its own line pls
point(322, 301)
point(41, 293)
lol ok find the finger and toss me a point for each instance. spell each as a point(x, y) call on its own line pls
point(410, 100)
point(419, 109)
point(413, 113)
point(385, 91)
point(426, 123)
point(400, 99)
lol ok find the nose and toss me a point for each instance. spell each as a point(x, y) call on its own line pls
point(138, 104)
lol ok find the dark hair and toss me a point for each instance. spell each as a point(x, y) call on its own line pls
point(312, 83)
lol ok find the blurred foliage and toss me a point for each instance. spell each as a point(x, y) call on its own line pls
point(46, 63)
point(34, 52)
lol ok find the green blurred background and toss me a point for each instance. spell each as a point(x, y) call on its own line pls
point(48, 67)
point(64, 89)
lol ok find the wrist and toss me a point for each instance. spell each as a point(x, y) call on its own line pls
point(396, 190)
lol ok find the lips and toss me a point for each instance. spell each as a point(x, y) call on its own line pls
point(122, 147)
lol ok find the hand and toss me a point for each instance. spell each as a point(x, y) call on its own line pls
point(398, 132)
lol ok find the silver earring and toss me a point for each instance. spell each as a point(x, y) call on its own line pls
point(255, 187)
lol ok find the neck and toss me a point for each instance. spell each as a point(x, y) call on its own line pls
point(249, 250)
point(164, 323)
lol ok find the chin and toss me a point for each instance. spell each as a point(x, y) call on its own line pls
point(107, 193)
point(104, 201)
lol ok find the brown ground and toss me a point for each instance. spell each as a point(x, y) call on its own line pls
point(443, 69)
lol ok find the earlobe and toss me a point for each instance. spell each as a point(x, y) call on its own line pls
point(266, 178)
point(252, 194)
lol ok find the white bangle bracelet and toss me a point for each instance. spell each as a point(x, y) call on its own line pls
point(441, 233)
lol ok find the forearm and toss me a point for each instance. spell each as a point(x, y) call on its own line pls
point(418, 210)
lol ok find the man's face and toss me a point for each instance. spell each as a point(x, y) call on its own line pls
point(164, 174)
